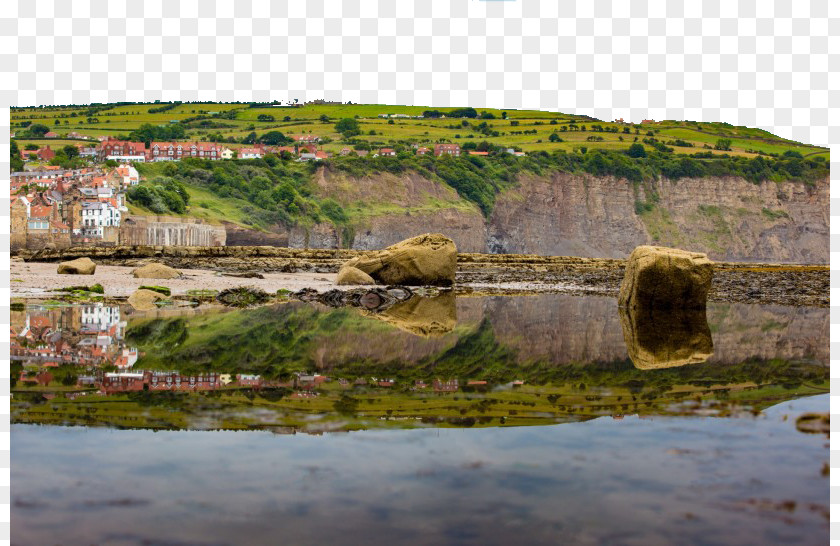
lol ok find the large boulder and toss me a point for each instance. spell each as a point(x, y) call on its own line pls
point(428, 259)
point(79, 266)
point(353, 275)
point(666, 338)
point(144, 300)
point(666, 278)
point(155, 271)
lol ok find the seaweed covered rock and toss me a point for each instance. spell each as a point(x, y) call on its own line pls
point(371, 299)
point(79, 266)
point(145, 300)
point(429, 259)
point(155, 271)
point(353, 276)
point(666, 278)
point(242, 296)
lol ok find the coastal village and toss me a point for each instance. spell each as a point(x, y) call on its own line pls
point(55, 208)
point(52, 207)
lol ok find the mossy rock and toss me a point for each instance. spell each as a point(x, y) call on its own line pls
point(242, 296)
point(162, 289)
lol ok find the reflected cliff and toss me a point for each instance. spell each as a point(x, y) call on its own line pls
point(422, 361)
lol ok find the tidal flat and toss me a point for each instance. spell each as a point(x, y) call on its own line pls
point(450, 417)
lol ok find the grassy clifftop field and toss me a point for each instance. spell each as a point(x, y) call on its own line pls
point(528, 130)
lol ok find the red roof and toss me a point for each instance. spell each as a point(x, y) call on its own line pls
point(39, 322)
point(39, 211)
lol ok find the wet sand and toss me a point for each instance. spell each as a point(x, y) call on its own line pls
point(38, 280)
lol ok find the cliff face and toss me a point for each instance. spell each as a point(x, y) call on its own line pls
point(579, 215)
point(728, 218)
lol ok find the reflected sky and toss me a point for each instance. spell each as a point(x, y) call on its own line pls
point(505, 419)
point(634, 481)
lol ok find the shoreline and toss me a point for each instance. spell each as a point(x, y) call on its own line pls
point(780, 284)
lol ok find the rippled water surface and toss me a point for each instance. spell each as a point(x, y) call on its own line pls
point(476, 420)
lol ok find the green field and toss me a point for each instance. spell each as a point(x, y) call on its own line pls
point(538, 126)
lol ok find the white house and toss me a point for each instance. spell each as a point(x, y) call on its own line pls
point(227, 153)
point(250, 153)
point(97, 215)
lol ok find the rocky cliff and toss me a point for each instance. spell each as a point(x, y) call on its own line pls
point(580, 215)
point(728, 218)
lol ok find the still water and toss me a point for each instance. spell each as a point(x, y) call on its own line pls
point(474, 420)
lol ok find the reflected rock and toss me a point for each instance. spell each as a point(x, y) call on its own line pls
point(657, 338)
point(421, 316)
point(814, 423)
point(145, 300)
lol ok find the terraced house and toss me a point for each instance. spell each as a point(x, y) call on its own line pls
point(121, 150)
point(173, 151)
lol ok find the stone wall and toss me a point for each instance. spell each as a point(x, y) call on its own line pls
point(170, 231)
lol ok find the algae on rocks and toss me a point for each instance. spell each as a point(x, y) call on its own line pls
point(242, 296)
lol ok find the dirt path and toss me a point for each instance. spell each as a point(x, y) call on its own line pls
point(35, 279)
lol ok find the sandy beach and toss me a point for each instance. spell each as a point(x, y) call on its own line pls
point(38, 280)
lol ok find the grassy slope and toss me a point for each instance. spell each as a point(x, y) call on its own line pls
point(206, 205)
point(123, 119)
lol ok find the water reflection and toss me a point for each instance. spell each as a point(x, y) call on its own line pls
point(426, 361)
point(420, 316)
point(628, 463)
point(664, 338)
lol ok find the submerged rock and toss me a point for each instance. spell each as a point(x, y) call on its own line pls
point(428, 259)
point(144, 300)
point(659, 338)
point(155, 271)
point(666, 278)
point(79, 266)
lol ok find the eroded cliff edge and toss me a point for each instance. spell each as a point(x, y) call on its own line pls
point(577, 214)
